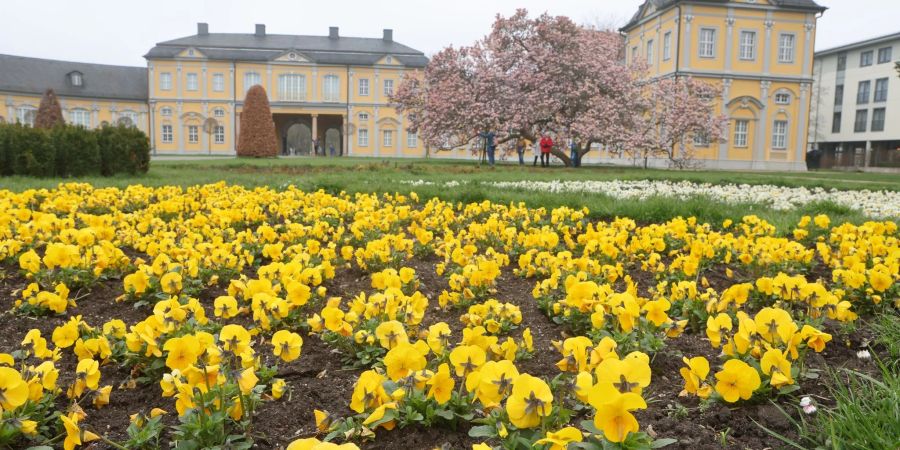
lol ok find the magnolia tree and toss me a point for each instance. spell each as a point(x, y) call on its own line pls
point(529, 76)
point(669, 115)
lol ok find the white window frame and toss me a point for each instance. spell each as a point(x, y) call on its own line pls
point(219, 134)
point(165, 81)
point(131, 115)
point(782, 98)
point(193, 134)
point(785, 51)
point(362, 137)
point(192, 82)
point(864, 115)
point(363, 87)
point(80, 117)
point(23, 116)
point(251, 79)
point(888, 51)
point(706, 48)
point(167, 134)
point(884, 83)
point(701, 140)
point(667, 46)
point(387, 138)
point(747, 51)
point(292, 87)
point(363, 117)
point(388, 87)
point(866, 62)
point(219, 112)
point(650, 52)
point(218, 82)
point(412, 139)
point(779, 134)
point(881, 123)
point(77, 79)
point(165, 111)
point(741, 131)
point(331, 88)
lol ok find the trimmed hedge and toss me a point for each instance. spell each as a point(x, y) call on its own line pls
point(69, 151)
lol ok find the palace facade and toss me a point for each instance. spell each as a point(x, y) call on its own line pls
point(760, 55)
point(327, 93)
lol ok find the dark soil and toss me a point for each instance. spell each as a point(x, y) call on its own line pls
point(318, 381)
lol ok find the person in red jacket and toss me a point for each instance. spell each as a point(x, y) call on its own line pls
point(546, 146)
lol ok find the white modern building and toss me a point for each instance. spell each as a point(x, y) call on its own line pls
point(855, 115)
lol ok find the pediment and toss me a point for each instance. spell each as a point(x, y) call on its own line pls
point(389, 60)
point(292, 55)
point(191, 52)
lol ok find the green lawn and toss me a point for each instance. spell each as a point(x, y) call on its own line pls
point(383, 174)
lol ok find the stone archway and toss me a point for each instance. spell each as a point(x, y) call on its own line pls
point(333, 138)
point(299, 139)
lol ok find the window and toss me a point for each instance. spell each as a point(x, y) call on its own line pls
point(878, 119)
point(165, 81)
point(786, 48)
point(389, 59)
point(838, 95)
point(167, 134)
point(881, 90)
point(191, 82)
point(865, 59)
point(387, 138)
point(292, 87)
point(779, 135)
point(634, 54)
point(701, 139)
point(128, 118)
point(251, 79)
point(363, 117)
point(650, 51)
point(782, 98)
point(219, 134)
point(219, 112)
point(862, 94)
point(741, 129)
point(842, 62)
point(77, 81)
point(884, 55)
point(363, 87)
point(707, 43)
point(836, 123)
point(26, 114)
point(80, 118)
point(363, 138)
point(862, 116)
point(748, 45)
point(193, 134)
point(331, 89)
point(388, 88)
point(412, 139)
point(165, 111)
point(667, 46)
point(218, 82)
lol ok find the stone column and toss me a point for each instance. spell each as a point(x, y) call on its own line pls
point(95, 113)
point(808, 49)
point(205, 139)
point(767, 43)
point(179, 126)
point(315, 132)
point(723, 143)
point(802, 127)
point(350, 126)
point(688, 18)
point(178, 82)
point(152, 131)
point(375, 139)
point(759, 147)
point(10, 110)
point(114, 113)
point(729, 39)
point(315, 84)
point(398, 151)
point(345, 135)
point(867, 153)
point(203, 82)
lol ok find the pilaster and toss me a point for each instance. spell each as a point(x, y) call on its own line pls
point(726, 94)
point(729, 39)
point(686, 54)
point(179, 125)
point(767, 43)
point(802, 126)
point(759, 149)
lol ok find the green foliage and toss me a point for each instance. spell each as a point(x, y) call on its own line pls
point(77, 152)
point(69, 151)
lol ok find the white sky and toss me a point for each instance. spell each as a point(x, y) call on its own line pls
point(122, 31)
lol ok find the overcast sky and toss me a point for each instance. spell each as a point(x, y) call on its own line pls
point(121, 31)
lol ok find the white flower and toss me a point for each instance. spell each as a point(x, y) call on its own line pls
point(864, 355)
point(807, 404)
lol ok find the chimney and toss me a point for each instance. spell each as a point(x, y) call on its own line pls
point(388, 35)
point(202, 29)
point(260, 30)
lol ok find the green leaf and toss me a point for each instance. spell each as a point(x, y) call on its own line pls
point(660, 443)
point(40, 447)
point(444, 413)
point(588, 425)
point(482, 431)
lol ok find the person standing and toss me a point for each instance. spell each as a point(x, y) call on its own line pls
point(573, 152)
point(546, 147)
point(490, 145)
point(536, 149)
point(522, 144)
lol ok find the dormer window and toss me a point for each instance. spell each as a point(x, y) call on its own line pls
point(76, 79)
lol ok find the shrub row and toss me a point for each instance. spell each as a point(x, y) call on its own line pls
point(70, 151)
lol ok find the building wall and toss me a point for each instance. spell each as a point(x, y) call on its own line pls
point(749, 81)
point(99, 110)
point(192, 107)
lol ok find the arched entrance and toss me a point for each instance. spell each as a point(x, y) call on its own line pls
point(333, 140)
point(299, 139)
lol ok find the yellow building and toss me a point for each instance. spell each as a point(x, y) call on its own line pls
point(759, 52)
point(326, 90)
point(89, 94)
